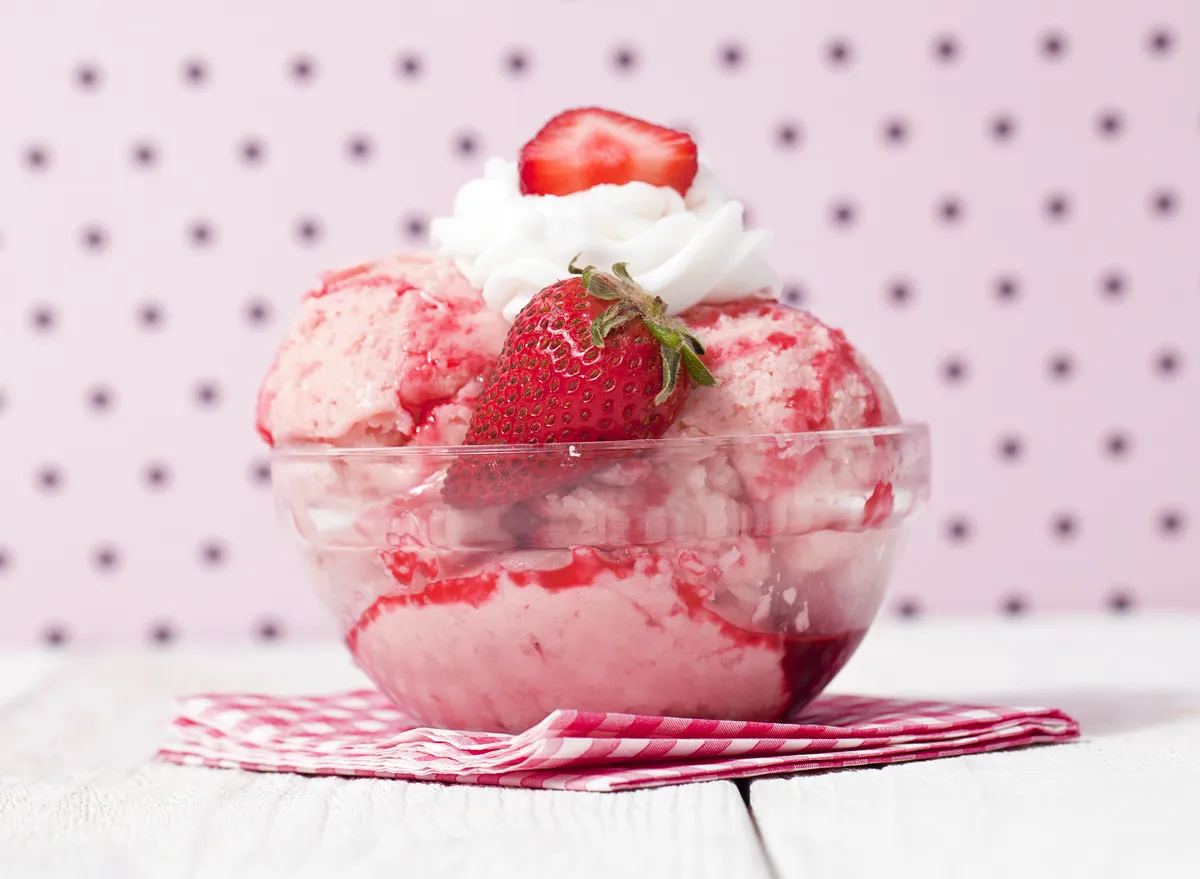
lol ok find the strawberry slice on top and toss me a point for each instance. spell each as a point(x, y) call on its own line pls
point(582, 148)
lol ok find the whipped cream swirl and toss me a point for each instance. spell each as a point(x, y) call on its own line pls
point(686, 249)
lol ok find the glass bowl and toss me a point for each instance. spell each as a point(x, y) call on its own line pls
point(725, 578)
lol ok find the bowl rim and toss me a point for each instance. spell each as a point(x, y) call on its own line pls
point(917, 430)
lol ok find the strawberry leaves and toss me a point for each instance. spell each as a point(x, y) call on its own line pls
point(680, 346)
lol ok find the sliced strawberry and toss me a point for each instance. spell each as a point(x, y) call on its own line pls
point(579, 149)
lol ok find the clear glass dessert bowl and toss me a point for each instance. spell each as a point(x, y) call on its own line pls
point(698, 577)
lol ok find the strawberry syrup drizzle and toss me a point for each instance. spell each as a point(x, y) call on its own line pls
point(810, 662)
point(879, 506)
point(357, 277)
point(422, 414)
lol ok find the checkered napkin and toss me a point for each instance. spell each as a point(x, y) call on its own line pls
point(361, 733)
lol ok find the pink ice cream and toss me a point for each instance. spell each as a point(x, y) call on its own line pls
point(382, 354)
point(780, 370)
point(704, 578)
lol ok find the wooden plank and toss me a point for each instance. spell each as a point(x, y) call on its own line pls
point(21, 669)
point(1123, 802)
point(79, 796)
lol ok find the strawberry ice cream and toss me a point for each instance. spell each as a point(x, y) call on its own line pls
point(727, 570)
point(382, 354)
point(780, 370)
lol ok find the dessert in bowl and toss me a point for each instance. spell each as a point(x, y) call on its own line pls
point(581, 457)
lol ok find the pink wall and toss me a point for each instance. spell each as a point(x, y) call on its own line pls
point(146, 256)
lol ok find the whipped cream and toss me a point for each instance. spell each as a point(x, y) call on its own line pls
point(686, 249)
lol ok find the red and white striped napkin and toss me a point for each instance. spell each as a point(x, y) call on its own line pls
point(361, 733)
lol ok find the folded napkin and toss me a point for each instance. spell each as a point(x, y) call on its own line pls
point(361, 733)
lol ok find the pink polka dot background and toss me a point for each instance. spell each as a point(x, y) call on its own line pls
point(1000, 203)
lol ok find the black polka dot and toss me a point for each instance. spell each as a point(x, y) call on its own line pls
point(1060, 366)
point(1171, 523)
point(415, 227)
point(1056, 206)
point(260, 473)
point(958, 529)
point(207, 394)
point(144, 154)
point(309, 230)
point(88, 77)
point(517, 62)
point(37, 157)
point(195, 72)
point(302, 70)
point(946, 49)
point(1120, 601)
point(1164, 202)
point(150, 316)
point(49, 479)
point(1117, 444)
point(1064, 526)
point(900, 292)
point(56, 635)
point(410, 66)
point(954, 370)
point(1015, 606)
point(950, 210)
point(44, 319)
point(156, 475)
point(794, 294)
point(252, 151)
point(1110, 124)
point(895, 131)
point(257, 312)
point(1002, 127)
point(1006, 288)
point(1053, 45)
point(6, 560)
point(268, 630)
point(162, 633)
point(201, 234)
point(1168, 363)
point(106, 559)
point(359, 148)
point(625, 59)
point(212, 553)
point(843, 213)
point(1160, 41)
point(100, 399)
point(1010, 448)
point(93, 238)
point(788, 135)
point(3, 401)
point(908, 608)
point(731, 56)
point(1113, 285)
point(466, 144)
point(839, 52)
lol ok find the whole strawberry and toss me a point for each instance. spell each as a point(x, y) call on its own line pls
point(589, 359)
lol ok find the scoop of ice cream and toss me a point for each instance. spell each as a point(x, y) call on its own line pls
point(686, 249)
point(779, 370)
point(497, 651)
point(382, 354)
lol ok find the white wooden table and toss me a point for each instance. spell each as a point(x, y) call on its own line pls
point(79, 795)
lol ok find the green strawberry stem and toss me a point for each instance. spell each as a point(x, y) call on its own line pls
point(679, 343)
